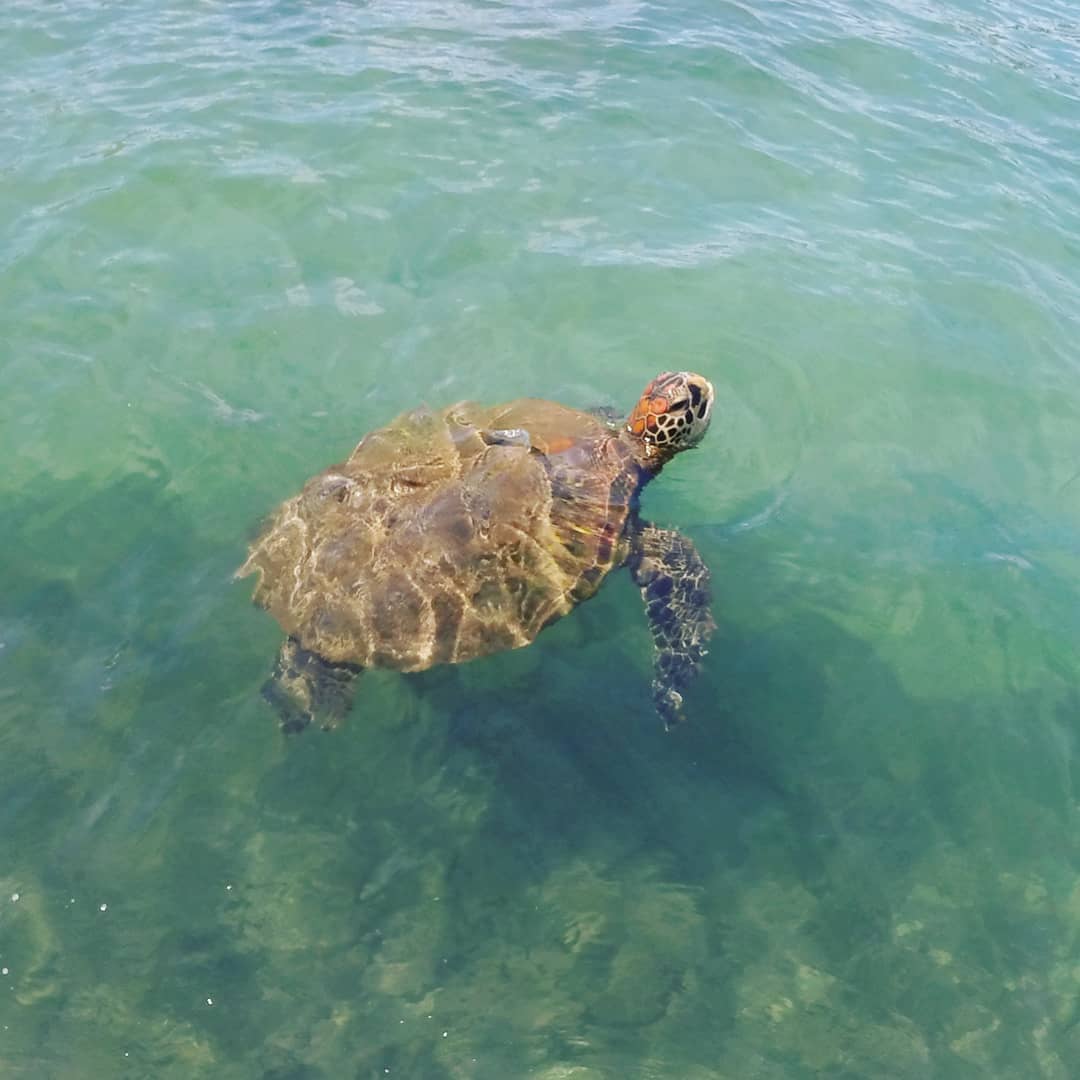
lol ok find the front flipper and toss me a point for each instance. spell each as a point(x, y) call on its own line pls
point(305, 688)
point(674, 584)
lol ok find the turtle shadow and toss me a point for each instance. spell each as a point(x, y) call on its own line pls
point(582, 744)
point(589, 793)
point(808, 778)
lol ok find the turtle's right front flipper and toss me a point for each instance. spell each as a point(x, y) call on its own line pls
point(674, 583)
point(305, 688)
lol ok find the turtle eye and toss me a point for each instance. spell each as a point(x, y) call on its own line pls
point(678, 406)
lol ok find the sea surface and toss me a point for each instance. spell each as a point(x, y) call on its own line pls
point(237, 234)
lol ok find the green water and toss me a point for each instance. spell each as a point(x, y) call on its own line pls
point(235, 236)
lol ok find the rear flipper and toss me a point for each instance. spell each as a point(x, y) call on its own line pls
point(305, 688)
point(674, 582)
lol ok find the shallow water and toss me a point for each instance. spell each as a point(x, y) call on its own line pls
point(236, 236)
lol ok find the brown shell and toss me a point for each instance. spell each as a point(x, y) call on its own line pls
point(429, 545)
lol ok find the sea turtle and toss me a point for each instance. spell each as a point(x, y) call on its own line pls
point(450, 535)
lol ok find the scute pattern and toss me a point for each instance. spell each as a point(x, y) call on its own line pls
point(432, 544)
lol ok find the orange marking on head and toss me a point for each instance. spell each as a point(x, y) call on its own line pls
point(650, 422)
point(658, 405)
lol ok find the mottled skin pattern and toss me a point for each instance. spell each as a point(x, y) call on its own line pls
point(449, 535)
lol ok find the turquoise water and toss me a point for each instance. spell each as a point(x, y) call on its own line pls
point(238, 235)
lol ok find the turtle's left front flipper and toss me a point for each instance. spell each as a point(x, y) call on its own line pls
point(674, 582)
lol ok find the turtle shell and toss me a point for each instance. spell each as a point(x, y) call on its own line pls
point(445, 536)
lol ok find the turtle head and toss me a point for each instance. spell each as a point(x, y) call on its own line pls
point(672, 415)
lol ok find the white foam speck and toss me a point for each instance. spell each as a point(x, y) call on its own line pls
point(298, 296)
point(1015, 560)
point(375, 212)
point(351, 300)
point(305, 174)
